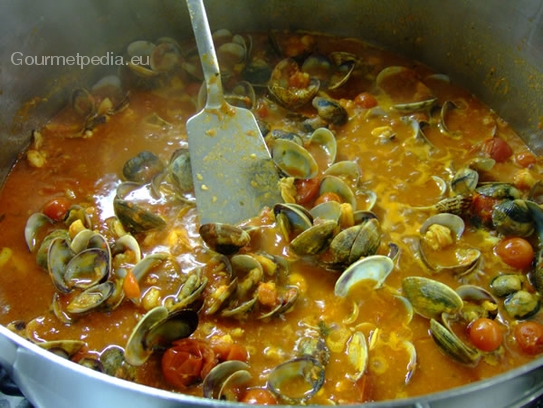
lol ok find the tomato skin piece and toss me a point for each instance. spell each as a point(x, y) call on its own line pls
point(258, 396)
point(525, 159)
point(187, 362)
point(131, 286)
point(485, 334)
point(529, 337)
point(230, 351)
point(56, 209)
point(515, 252)
point(498, 149)
point(481, 208)
point(365, 100)
point(307, 190)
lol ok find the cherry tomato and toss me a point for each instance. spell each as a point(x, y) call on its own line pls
point(498, 149)
point(365, 100)
point(258, 396)
point(56, 209)
point(529, 336)
point(485, 334)
point(328, 197)
point(481, 207)
point(525, 159)
point(188, 361)
point(307, 190)
point(515, 252)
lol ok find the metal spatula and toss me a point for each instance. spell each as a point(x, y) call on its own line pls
point(234, 176)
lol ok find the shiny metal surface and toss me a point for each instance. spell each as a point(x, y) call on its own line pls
point(494, 48)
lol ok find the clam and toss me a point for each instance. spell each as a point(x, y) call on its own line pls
point(135, 218)
point(430, 298)
point(91, 298)
point(513, 217)
point(330, 110)
point(83, 102)
point(190, 291)
point(328, 210)
point(64, 348)
point(292, 219)
point(465, 181)
point(58, 257)
point(314, 240)
point(156, 330)
point(451, 345)
point(498, 190)
point(348, 170)
point(443, 230)
point(222, 379)
point(521, 304)
point(323, 138)
point(114, 363)
point(358, 241)
point(180, 170)
point(242, 94)
point(149, 262)
point(297, 380)
point(223, 238)
point(446, 108)
point(33, 224)
point(143, 167)
point(292, 97)
point(125, 243)
point(418, 131)
point(293, 160)
point(333, 184)
point(81, 240)
point(357, 350)
point(286, 301)
point(506, 284)
point(375, 268)
point(407, 92)
point(77, 213)
point(165, 57)
point(478, 303)
point(87, 268)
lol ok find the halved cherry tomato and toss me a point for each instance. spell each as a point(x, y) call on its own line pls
point(57, 208)
point(529, 337)
point(328, 197)
point(485, 334)
point(525, 159)
point(498, 149)
point(131, 286)
point(188, 361)
point(365, 100)
point(515, 252)
point(258, 396)
point(307, 190)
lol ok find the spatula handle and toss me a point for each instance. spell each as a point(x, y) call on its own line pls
point(206, 49)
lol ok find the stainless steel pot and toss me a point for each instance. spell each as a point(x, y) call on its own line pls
point(494, 48)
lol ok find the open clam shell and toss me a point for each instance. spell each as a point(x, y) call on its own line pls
point(297, 380)
point(375, 267)
point(223, 377)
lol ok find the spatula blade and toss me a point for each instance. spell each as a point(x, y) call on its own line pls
point(234, 175)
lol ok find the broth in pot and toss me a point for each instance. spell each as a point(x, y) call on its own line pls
point(406, 248)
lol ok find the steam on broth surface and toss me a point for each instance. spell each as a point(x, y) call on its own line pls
point(406, 248)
